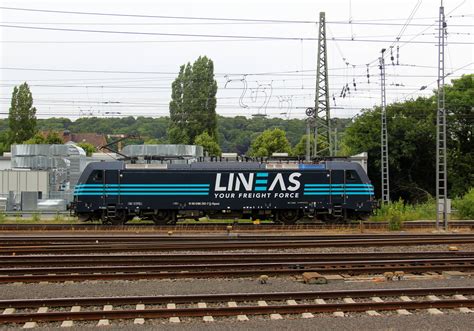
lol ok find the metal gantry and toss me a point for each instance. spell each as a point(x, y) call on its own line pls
point(384, 135)
point(322, 118)
point(441, 152)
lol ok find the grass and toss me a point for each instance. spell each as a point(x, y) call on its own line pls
point(406, 212)
point(6, 219)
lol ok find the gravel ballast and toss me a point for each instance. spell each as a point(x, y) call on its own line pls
point(202, 286)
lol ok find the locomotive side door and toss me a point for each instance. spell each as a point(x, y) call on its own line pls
point(111, 187)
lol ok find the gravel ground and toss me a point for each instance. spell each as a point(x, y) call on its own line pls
point(389, 321)
point(354, 249)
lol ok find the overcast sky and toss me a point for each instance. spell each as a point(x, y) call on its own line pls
point(129, 69)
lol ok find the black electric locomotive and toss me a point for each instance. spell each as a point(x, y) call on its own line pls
point(284, 192)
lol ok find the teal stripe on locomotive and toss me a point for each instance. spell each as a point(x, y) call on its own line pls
point(141, 189)
point(142, 193)
point(144, 185)
point(112, 189)
point(338, 189)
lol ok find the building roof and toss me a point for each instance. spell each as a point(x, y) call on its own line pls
point(94, 139)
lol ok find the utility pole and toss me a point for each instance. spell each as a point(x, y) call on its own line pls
point(383, 135)
point(322, 118)
point(441, 152)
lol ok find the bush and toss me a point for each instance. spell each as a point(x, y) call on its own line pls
point(401, 212)
point(2, 216)
point(465, 205)
point(36, 217)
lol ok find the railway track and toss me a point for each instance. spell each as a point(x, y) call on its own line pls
point(229, 270)
point(241, 305)
point(69, 244)
point(18, 261)
point(219, 227)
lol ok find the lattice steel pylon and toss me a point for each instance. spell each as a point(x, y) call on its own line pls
point(322, 118)
point(383, 135)
point(441, 152)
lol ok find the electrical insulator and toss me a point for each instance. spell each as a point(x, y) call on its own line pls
point(354, 84)
point(398, 54)
point(368, 75)
point(391, 55)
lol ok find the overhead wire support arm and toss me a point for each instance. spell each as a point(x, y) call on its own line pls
point(385, 183)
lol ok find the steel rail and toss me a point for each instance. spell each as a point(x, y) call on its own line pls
point(346, 264)
point(356, 268)
point(223, 226)
point(238, 297)
point(224, 245)
point(233, 311)
point(138, 259)
point(93, 236)
point(248, 309)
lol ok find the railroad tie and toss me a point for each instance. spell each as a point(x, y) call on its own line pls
point(404, 311)
point(262, 303)
point(174, 319)
point(322, 302)
point(105, 322)
point(70, 323)
point(373, 312)
point(294, 303)
point(30, 325)
point(205, 318)
point(139, 320)
point(8, 311)
point(463, 309)
point(242, 318)
point(434, 311)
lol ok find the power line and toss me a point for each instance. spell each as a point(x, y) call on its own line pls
point(190, 17)
point(216, 35)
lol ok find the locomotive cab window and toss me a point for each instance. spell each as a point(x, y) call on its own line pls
point(351, 175)
point(97, 176)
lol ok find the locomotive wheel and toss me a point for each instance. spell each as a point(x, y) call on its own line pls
point(289, 216)
point(119, 219)
point(162, 217)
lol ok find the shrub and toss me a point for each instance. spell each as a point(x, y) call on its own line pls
point(36, 217)
point(465, 205)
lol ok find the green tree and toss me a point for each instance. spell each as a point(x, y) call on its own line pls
point(87, 147)
point(37, 139)
point(269, 142)
point(52, 137)
point(460, 122)
point(22, 115)
point(4, 141)
point(412, 143)
point(208, 143)
point(193, 102)
point(411, 128)
point(300, 147)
